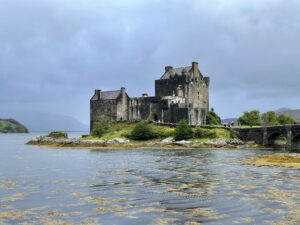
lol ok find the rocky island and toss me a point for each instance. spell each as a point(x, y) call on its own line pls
point(145, 134)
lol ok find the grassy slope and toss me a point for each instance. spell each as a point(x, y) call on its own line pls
point(11, 126)
point(123, 129)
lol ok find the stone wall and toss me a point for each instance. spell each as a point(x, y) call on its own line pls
point(169, 87)
point(122, 106)
point(145, 108)
point(102, 107)
point(176, 114)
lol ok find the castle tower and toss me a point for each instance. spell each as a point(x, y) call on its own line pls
point(189, 83)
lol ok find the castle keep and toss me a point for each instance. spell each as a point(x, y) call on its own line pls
point(179, 93)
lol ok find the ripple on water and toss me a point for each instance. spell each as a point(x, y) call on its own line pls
point(144, 187)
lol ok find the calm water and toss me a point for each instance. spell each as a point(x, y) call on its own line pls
point(39, 185)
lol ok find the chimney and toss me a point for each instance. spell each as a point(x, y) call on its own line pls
point(97, 93)
point(145, 94)
point(195, 66)
point(123, 90)
point(168, 68)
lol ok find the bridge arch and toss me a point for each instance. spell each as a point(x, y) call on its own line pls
point(276, 138)
point(296, 141)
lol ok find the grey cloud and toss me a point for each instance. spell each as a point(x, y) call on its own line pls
point(56, 52)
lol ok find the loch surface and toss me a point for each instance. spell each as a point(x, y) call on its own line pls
point(41, 185)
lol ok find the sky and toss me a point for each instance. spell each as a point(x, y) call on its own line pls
point(54, 53)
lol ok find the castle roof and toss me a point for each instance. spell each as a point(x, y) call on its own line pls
point(179, 71)
point(107, 95)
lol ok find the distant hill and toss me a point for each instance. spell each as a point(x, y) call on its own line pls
point(40, 121)
point(12, 126)
point(282, 110)
point(230, 120)
point(295, 113)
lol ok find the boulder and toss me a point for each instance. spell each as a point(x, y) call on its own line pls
point(167, 141)
point(235, 141)
point(117, 141)
point(184, 143)
point(231, 142)
point(216, 142)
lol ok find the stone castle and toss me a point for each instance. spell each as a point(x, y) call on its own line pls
point(179, 93)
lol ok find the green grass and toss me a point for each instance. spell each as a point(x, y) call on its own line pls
point(123, 130)
point(117, 130)
point(212, 133)
point(246, 126)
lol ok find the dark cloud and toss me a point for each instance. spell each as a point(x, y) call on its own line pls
point(54, 53)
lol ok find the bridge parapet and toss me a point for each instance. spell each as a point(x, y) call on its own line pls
point(267, 135)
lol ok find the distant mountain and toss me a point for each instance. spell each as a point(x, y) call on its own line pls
point(295, 113)
point(230, 120)
point(12, 126)
point(282, 110)
point(40, 121)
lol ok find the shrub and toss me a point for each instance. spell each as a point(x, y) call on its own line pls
point(212, 118)
point(102, 126)
point(142, 131)
point(281, 137)
point(183, 131)
point(162, 132)
point(269, 118)
point(205, 133)
point(234, 134)
point(285, 119)
point(251, 118)
point(58, 134)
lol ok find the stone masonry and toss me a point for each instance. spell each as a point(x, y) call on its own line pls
point(180, 93)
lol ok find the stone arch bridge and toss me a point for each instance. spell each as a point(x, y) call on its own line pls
point(267, 136)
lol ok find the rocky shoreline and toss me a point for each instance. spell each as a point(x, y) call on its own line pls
point(125, 143)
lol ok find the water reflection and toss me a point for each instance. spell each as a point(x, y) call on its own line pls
point(46, 186)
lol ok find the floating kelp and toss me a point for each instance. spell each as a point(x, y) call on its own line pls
point(76, 194)
point(204, 212)
point(192, 223)
point(14, 215)
point(15, 197)
point(102, 200)
point(7, 184)
point(102, 210)
point(163, 221)
point(282, 160)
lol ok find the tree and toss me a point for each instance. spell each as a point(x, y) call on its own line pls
point(251, 118)
point(101, 126)
point(269, 118)
point(212, 118)
point(183, 131)
point(285, 119)
point(142, 131)
point(58, 134)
